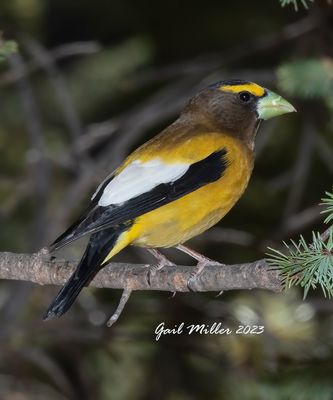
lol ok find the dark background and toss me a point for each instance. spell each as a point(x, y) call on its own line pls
point(91, 81)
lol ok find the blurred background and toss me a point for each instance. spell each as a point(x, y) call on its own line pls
point(90, 82)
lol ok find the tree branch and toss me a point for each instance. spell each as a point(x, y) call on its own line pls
point(44, 269)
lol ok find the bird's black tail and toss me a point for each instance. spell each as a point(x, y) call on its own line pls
point(99, 246)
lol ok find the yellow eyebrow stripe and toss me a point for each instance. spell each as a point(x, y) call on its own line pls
point(253, 88)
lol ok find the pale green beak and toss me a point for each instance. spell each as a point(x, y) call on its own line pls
point(273, 105)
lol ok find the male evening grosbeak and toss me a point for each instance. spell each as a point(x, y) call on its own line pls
point(175, 186)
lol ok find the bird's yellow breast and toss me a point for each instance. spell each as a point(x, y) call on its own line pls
point(194, 213)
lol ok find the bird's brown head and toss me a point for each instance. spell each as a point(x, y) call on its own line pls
point(235, 107)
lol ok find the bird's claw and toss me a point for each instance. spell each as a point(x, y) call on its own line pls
point(197, 271)
point(157, 267)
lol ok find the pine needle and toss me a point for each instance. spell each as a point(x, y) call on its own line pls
point(308, 265)
point(295, 3)
point(328, 203)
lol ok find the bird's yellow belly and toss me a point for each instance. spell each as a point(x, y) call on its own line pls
point(194, 213)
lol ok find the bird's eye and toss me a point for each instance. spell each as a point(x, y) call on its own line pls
point(245, 96)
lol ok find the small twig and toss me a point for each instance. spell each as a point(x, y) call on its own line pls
point(299, 222)
point(58, 53)
point(325, 152)
point(325, 235)
point(281, 181)
point(45, 60)
point(20, 192)
point(300, 171)
point(213, 62)
point(122, 302)
point(37, 153)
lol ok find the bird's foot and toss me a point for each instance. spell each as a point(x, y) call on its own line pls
point(197, 271)
point(202, 262)
point(45, 255)
point(162, 261)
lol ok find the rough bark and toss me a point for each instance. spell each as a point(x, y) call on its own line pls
point(43, 269)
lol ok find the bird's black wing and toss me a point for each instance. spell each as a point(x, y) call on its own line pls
point(98, 217)
point(68, 236)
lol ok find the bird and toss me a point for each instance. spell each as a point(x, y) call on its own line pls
point(176, 185)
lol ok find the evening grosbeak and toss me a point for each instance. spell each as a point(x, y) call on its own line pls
point(176, 185)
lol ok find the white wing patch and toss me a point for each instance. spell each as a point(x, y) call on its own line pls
point(138, 178)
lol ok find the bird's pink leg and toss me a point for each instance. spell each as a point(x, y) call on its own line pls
point(202, 262)
point(162, 262)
